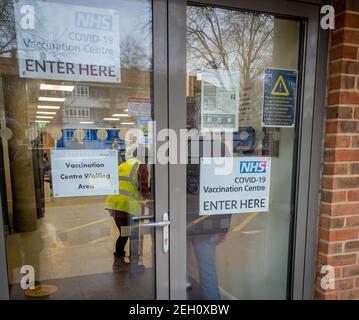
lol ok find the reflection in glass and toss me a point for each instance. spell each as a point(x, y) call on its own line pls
point(70, 241)
point(248, 257)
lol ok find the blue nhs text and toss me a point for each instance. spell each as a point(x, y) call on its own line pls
point(93, 21)
point(253, 166)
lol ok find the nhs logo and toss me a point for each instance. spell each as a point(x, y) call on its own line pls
point(253, 166)
point(93, 21)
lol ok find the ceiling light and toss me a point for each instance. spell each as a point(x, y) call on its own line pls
point(86, 122)
point(52, 99)
point(44, 117)
point(49, 107)
point(44, 86)
point(120, 115)
point(111, 119)
point(42, 121)
point(127, 123)
point(125, 110)
point(45, 112)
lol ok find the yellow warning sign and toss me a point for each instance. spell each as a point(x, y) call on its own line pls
point(280, 88)
point(279, 98)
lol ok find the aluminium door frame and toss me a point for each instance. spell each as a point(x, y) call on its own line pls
point(160, 103)
point(4, 288)
point(309, 137)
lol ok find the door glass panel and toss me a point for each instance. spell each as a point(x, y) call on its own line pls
point(75, 78)
point(242, 81)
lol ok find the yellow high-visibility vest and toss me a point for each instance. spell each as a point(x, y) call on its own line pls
point(129, 198)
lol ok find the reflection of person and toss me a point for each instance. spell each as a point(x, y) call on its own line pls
point(117, 146)
point(46, 167)
point(76, 143)
point(116, 143)
point(204, 233)
point(131, 146)
point(133, 190)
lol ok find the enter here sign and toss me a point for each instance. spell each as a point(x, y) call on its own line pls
point(243, 188)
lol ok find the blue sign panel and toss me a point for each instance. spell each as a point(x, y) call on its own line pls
point(244, 140)
point(279, 100)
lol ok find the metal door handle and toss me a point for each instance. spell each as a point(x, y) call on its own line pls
point(155, 224)
point(142, 218)
point(163, 224)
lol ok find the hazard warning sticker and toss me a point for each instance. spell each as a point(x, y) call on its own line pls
point(279, 98)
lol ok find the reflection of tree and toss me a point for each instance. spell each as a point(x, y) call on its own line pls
point(232, 41)
point(253, 40)
point(7, 27)
point(136, 52)
point(229, 40)
point(133, 55)
point(207, 40)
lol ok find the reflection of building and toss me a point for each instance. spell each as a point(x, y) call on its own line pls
point(92, 102)
point(45, 119)
point(86, 106)
point(193, 102)
point(213, 98)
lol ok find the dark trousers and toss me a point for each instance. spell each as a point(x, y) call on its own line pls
point(122, 239)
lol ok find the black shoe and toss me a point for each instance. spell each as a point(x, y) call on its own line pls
point(119, 264)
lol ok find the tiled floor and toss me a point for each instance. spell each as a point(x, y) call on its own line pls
point(105, 286)
point(73, 249)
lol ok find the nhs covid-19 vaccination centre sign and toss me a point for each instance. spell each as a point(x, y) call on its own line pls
point(67, 42)
point(245, 188)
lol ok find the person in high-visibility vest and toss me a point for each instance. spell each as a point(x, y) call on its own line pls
point(133, 190)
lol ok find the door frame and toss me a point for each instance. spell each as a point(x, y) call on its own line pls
point(169, 95)
point(160, 103)
point(4, 288)
point(309, 136)
point(161, 180)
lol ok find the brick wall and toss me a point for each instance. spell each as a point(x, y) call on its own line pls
point(339, 211)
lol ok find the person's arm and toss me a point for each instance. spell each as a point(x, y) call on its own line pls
point(143, 184)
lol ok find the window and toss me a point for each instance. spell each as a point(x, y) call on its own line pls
point(77, 113)
point(99, 92)
point(78, 91)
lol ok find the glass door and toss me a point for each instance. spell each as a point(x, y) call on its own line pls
point(242, 71)
point(77, 124)
point(247, 110)
point(158, 148)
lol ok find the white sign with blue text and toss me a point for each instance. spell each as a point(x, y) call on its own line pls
point(77, 173)
point(244, 188)
point(67, 42)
